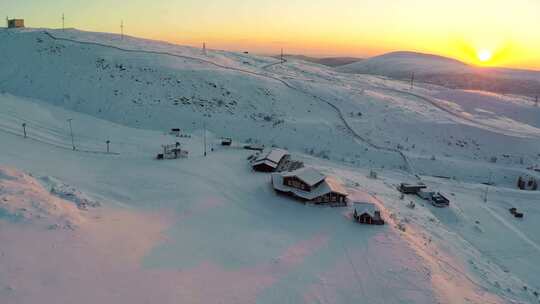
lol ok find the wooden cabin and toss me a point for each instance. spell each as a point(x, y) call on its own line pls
point(367, 213)
point(310, 186)
point(270, 161)
point(15, 23)
point(411, 189)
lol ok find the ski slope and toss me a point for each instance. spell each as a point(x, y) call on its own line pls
point(208, 229)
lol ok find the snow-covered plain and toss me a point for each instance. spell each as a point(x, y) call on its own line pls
point(86, 226)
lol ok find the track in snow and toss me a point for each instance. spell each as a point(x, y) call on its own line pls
point(338, 111)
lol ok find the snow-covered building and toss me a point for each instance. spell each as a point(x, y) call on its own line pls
point(310, 185)
point(527, 182)
point(367, 213)
point(410, 188)
point(270, 161)
point(15, 23)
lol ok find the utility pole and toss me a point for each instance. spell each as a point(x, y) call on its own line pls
point(7, 21)
point(108, 142)
point(204, 48)
point(63, 22)
point(486, 194)
point(71, 132)
point(412, 80)
point(536, 101)
point(204, 138)
point(24, 129)
point(282, 56)
point(122, 29)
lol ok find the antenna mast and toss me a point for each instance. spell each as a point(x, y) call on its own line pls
point(122, 29)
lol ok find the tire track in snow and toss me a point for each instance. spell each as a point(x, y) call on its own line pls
point(511, 227)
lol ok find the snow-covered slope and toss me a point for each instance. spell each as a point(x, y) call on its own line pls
point(403, 64)
point(448, 72)
point(208, 229)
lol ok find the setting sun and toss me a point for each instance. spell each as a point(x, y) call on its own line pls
point(484, 55)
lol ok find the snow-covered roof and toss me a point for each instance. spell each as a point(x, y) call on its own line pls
point(335, 185)
point(329, 185)
point(308, 175)
point(274, 155)
point(362, 208)
point(270, 164)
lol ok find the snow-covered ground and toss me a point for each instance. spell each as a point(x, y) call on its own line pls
point(87, 226)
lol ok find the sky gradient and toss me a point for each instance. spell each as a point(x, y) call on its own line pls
point(507, 31)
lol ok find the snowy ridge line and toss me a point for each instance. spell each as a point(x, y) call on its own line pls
point(287, 84)
point(273, 64)
point(163, 53)
point(11, 132)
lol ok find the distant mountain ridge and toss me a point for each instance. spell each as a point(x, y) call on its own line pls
point(327, 61)
point(448, 72)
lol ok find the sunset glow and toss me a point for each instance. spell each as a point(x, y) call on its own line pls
point(484, 55)
point(457, 29)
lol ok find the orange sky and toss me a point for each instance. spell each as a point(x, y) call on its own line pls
point(508, 31)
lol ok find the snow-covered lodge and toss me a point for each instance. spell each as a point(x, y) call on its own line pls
point(270, 161)
point(15, 23)
point(310, 185)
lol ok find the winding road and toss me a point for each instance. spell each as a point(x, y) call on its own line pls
point(333, 106)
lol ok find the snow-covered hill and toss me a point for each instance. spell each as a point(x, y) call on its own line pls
point(403, 64)
point(210, 230)
point(448, 72)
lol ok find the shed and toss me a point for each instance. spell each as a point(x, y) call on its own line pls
point(527, 182)
point(411, 188)
point(226, 141)
point(15, 23)
point(367, 213)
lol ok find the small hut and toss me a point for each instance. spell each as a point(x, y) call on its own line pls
point(367, 213)
point(226, 141)
point(175, 132)
point(527, 182)
point(411, 188)
point(15, 23)
point(173, 151)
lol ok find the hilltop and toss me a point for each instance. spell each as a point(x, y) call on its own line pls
point(448, 72)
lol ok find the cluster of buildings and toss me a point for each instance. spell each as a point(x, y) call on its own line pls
point(437, 199)
point(309, 185)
